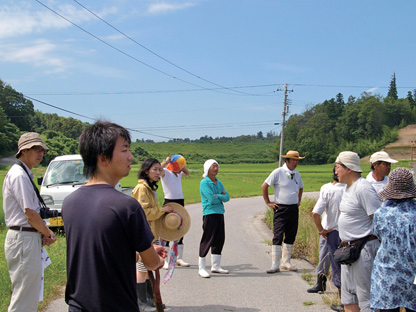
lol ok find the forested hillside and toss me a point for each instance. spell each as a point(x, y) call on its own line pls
point(363, 125)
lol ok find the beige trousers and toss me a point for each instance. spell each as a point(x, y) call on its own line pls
point(22, 250)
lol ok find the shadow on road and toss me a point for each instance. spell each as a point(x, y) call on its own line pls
point(210, 308)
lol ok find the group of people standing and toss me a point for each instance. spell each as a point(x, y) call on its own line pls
point(114, 240)
point(377, 213)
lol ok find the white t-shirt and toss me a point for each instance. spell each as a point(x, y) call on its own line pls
point(286, 185)
point(378, 185)
point(328, 203)
point(172, 185)
point(359, 201)
point(18, 194)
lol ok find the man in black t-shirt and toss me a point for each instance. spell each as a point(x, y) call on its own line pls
point(105, 228)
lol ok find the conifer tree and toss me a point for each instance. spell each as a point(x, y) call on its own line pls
point(393, 89)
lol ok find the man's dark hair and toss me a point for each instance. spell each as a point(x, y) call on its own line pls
point(146, 165)
point(99, 139)
point(377, 163)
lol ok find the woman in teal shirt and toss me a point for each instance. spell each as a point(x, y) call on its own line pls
point(213, 194)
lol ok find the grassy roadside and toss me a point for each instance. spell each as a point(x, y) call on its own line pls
point(241, 180)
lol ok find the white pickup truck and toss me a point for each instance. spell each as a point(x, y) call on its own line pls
point(63, 176)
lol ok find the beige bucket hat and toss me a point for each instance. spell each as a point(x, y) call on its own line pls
point(28, 140)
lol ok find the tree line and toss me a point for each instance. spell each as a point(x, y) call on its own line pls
point(364, 125)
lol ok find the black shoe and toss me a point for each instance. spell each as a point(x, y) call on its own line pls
point(320, 285)
point(337, 307)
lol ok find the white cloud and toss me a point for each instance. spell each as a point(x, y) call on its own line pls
point(163, 7)
point(26, 18)
point(371, 90)
point(38, 53)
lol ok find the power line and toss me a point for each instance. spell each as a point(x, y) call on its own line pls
point(80, 115)
point(155, 91)
point(154, 53)
point(136, 59)
point(165, 128)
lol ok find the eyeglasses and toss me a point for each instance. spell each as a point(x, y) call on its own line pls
point(39, 149)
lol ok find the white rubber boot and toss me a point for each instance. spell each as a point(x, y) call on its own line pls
point(179, 261)
point(166, 264)
point(216, 265)
point(286, 255)
point(203, 268)
point(276, 255)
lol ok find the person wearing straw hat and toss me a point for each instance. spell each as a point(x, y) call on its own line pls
point(27, 231)
point(288, 189)
point(213, 196)
point(172, 188)
point(105, 228)
point(358, 204)
point(145, 194)
point(393, 278)
point(380, 169)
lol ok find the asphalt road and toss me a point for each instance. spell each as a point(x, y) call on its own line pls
point(248, 288)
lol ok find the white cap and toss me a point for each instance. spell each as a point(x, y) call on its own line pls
point(350, 160)
point(382, 156)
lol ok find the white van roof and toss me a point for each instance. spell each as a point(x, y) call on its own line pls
point(68, 157)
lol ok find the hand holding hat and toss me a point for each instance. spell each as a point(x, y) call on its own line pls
point(173, 225)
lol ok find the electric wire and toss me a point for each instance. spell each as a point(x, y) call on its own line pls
point(155, 91)
point(80, 115)
point(157, 55)
point(166, 128)
point(134, 58)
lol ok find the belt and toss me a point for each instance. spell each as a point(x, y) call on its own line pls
point(23, 229)
point(372, 237)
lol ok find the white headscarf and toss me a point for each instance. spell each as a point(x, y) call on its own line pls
point(208, 165)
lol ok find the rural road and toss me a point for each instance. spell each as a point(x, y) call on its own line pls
point(248, 288)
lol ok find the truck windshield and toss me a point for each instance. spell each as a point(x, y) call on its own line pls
point(65, 172)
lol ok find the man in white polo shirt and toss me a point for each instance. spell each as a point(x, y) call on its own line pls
point(380, 169)
point(27, 231)
point(288, 189)
point(358, 204)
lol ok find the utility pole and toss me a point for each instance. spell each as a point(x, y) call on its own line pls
point(285, 111)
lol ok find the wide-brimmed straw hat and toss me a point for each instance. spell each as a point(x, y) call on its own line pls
point(293, 155)
point(28, 140)
point(173, 225)
point(400, 186)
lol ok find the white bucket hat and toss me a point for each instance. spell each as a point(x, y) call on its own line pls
point(350, 160)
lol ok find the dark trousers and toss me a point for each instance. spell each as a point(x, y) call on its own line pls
point(213, 236)
point(75, 309)
point(180, 202)
point(333, 242)
point(285, 224)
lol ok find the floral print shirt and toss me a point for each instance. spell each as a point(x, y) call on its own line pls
point(394, 269)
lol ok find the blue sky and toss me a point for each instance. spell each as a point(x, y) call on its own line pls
point(185, 69)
